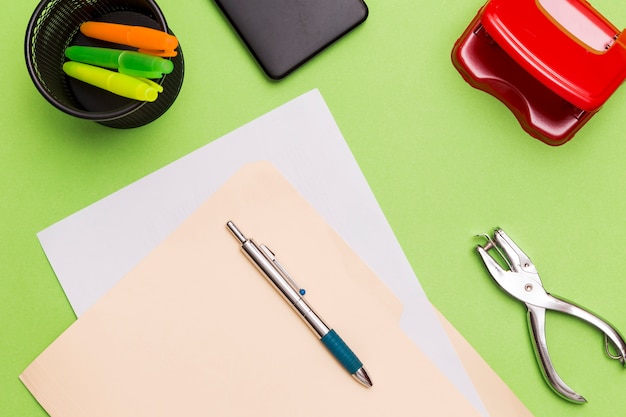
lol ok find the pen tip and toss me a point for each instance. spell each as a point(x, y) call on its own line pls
point(362, 376)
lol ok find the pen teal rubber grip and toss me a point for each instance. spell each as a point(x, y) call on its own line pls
point(341, 351)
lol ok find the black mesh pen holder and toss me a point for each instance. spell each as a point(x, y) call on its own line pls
point(55, 25)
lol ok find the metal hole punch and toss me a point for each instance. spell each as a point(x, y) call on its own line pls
point(522, 282)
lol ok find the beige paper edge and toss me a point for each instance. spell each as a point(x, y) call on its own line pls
point(497, 397)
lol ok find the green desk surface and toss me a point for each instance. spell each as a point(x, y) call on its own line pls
point(445, 161)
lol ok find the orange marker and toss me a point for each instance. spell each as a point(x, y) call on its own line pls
point(149, 41)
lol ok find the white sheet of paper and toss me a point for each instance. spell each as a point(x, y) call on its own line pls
point(95, 247)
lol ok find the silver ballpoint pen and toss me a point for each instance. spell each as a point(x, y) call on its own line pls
point(267, 264)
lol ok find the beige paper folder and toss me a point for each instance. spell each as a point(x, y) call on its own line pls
point(195, 330)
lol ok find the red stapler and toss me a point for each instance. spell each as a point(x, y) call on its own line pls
point(554, 63)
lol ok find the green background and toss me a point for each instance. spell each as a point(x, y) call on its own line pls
point(445, 161)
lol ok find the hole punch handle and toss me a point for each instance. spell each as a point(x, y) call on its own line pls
point(609, 331)
point(537, 327)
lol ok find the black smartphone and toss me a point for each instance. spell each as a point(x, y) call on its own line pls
point(284, 34)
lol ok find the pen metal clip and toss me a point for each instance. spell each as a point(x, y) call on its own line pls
point(272, 258)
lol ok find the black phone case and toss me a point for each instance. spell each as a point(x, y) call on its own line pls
point(284, 34)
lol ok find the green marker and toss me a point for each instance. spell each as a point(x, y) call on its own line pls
point(131, 63)
point(120, 84)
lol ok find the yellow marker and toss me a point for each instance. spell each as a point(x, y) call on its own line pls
point(120, 84)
